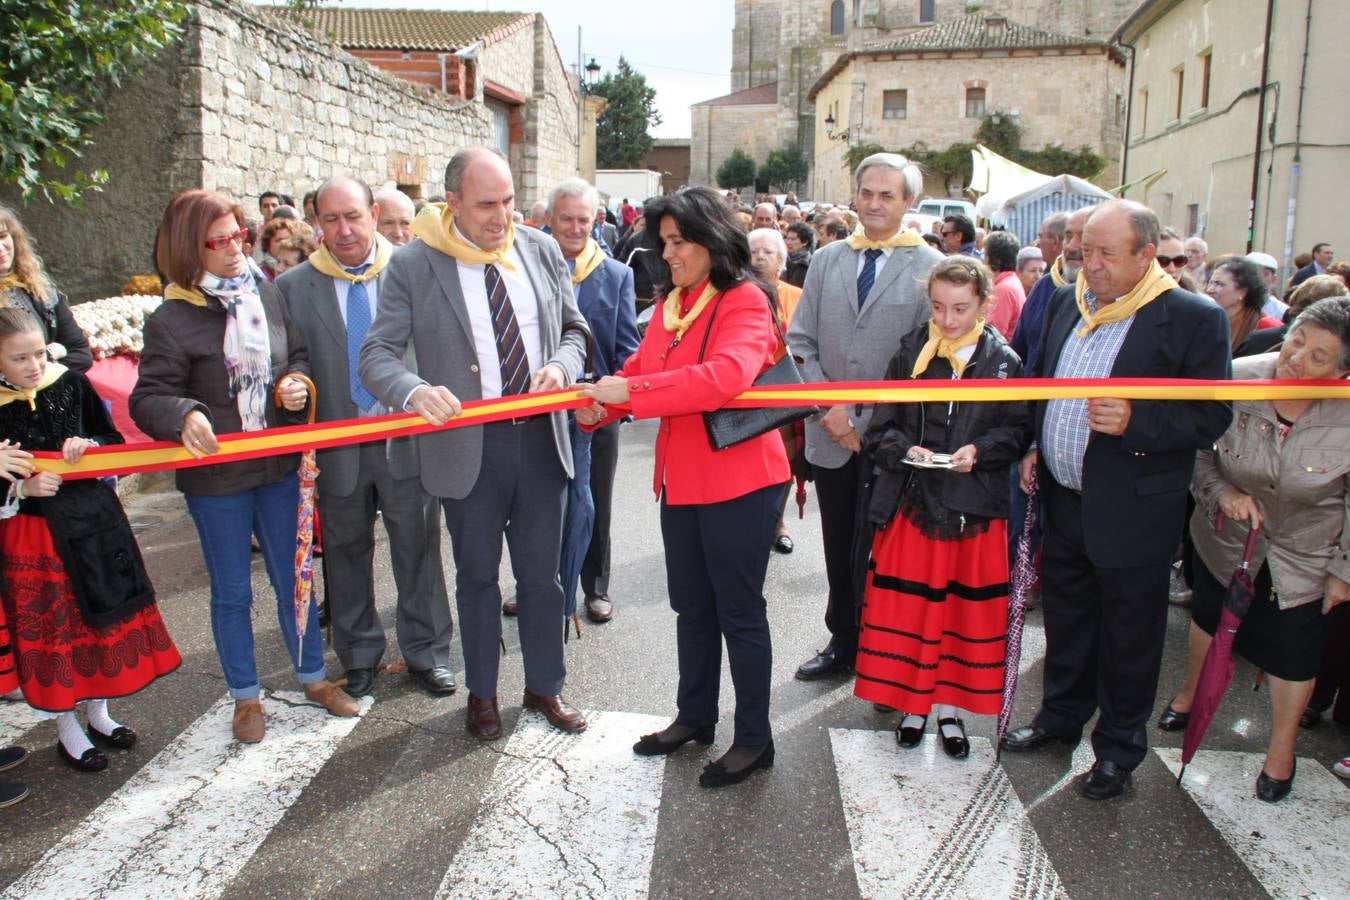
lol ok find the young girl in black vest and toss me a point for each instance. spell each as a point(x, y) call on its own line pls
point(80, 614)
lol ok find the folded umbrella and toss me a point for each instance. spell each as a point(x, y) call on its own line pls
point(1023, 576)
point(1217, 671)
point(304, 522)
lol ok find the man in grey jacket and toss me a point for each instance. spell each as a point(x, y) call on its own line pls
point(861, 296)
point(490, 312)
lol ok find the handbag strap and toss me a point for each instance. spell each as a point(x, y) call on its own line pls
point(773, 315)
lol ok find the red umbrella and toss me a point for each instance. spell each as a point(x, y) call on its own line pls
point(1023, 577)
point(1217, 671)
point(304, 523)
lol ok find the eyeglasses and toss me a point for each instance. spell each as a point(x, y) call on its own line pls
point(1166, 261)
point(223, 241)
point(949, 233)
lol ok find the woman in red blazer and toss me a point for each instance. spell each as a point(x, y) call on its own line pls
point(718, 507)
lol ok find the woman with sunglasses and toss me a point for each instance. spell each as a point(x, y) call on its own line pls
point(219, 353)
point(24, 284)
point(1172, 258)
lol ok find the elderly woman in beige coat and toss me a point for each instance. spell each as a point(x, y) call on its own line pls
point(1282, 466)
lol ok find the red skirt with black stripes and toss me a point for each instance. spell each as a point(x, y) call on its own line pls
point(935, 620)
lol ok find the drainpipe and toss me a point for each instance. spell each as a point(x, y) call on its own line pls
point(1261, 125)
point(1129, 116)
point(1298, 144)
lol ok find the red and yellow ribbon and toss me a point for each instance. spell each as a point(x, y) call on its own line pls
point(159, 455)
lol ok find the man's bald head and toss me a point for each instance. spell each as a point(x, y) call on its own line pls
point(395, 216)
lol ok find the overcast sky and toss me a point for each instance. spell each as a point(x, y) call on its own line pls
point(682, 47)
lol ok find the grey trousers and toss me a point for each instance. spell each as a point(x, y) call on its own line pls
point(423, 623)
point(520, 493)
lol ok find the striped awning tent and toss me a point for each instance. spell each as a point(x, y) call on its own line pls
point(1022, 214)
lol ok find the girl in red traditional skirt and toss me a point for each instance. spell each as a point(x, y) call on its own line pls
point(935, 609)
point(81, 616)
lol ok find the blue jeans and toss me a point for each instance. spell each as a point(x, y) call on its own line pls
point(224, 525)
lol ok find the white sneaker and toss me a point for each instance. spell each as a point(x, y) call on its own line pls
point(1342, 768)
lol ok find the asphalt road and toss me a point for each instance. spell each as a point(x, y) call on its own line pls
point(404, 803)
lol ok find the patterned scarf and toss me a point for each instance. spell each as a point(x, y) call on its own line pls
point(248, 352)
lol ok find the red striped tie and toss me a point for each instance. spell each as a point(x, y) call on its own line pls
point(514, 363)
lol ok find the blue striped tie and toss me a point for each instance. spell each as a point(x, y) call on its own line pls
point(511, 356)
point(867, 276)
point(358, 324)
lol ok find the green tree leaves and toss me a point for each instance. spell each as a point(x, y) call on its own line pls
point(56, 63)
point(621, 138)
point(736, 171)
point(786, 168)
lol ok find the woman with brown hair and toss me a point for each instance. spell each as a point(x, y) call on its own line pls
point(24, 284)
point(1236, 285)
point(217, 352)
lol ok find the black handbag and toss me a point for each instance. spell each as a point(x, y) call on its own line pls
point(727, 427)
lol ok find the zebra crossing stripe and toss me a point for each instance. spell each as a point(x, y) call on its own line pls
point(925, 826)
point(567, 815)
point(1295, 848)
point(16, 719)
point(186, 823)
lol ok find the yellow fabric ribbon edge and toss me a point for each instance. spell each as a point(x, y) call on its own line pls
point(327, 264)
point(859, 240)
point(435, 225)
point(10, 395)
point(1154, 284)
point(670, 310)
point(937, 345)
point(174, 291)
point(588, 260)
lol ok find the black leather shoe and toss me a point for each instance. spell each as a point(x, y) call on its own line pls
point(122, 737)
point(324, 616)
point(11, 757)
point(1273, 790)
point(509, 607)
point(1171, 720)
point(438, 680)
point(11, 793)
point(1032, 737)
point(1310, 718)
point(782, 544)
point(1104, 780)
point(909, 738)
point(360, 682)
point(824, 664)
point(715, 775)
point(90, 760)
point(955, 747)
point(652, 745)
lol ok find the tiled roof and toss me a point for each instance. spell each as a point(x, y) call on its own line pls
point(405, 29)
point(980, 31)
point(760, 94)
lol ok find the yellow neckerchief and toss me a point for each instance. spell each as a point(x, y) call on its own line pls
point(1154, 283)
point(328, 264)
point(859, 240)
point(1057, 272)
point(588, 260)
point(938, 345)
point(175, 291)
point(10, 281)
point(670, 310)
point(435, 225)
point(9, 394)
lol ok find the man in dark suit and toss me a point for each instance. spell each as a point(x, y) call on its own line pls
point(489, 309)
point(604, 292)
point(1113, 475)
point(1322, 256)
point(358, 481)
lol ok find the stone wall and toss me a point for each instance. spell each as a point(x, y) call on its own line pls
point(720, 129)
point(755, 43)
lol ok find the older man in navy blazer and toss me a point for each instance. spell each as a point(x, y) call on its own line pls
point(1113, 475)
point(604, 291)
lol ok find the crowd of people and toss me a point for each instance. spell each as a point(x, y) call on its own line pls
point(355, 304)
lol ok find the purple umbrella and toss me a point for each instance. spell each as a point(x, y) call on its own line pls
point(1023, 577)
point(1217, 671)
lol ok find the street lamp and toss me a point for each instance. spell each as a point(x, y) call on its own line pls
point(592, 70)
point(829, 129)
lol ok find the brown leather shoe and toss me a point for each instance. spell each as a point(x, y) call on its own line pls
point(249, 726)
point(333, 698)
point(599, 609)
point(484, 719)
point(560, 714)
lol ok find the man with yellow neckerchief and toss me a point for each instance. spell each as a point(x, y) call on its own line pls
point(490, 311)
point(333, 298)
point(604, 291)
point(861, 296)
point(1113, 475)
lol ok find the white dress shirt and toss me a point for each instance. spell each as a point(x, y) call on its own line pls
point(342, 286)
point(523, 301)
point(880, 264)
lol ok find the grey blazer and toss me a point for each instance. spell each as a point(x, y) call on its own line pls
point(421, 302)
point(312, 301)
point(836, 341)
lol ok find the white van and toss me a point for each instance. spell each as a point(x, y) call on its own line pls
point(946, 206)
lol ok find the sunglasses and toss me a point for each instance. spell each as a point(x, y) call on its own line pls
point(1165, 261)
point(949, 233)
point(223, 241)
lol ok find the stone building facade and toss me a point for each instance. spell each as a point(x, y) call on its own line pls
point(670, 157)
point(744, 119)
point(1195, 111)
point(248, 102)
point(937, 85)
